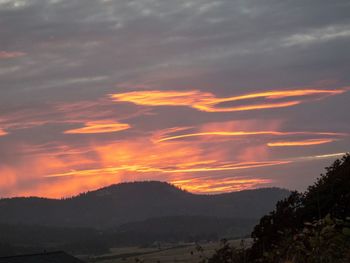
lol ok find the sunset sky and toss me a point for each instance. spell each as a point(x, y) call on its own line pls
point(212, 96)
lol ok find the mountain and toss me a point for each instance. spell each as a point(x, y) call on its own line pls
point(128, 202)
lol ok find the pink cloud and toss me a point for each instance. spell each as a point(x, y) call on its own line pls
point(11, 54)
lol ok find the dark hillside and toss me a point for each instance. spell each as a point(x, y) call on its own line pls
point(128, 202)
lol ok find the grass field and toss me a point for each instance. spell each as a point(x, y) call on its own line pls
point(182, 252)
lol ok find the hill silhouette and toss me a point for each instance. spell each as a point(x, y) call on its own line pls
point(128, 202)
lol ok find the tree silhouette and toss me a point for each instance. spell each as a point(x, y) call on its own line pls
point(313, 227)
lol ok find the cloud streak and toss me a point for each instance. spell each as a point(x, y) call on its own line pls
point(11, 54)
point(212, 186)
point(317, 36)
point(252, 133)
point(310, 142)
point(177, 169)
point(99, 127)
point(208, 102)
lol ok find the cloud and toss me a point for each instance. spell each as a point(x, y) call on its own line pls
point(95, 116)
point(11, 54)
point(318, 36)
point(181, 61)
point(320, 156)
point(179, 168)
point(309, 142)
point(99, 127)
point(3, 133)
point(207, 102)
point(253, 133)
point(212, 186)
point(99, 163)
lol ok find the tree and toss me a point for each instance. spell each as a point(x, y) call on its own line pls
point(313, 227)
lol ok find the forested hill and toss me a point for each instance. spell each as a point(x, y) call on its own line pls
point(128, 202)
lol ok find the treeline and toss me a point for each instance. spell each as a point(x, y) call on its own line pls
point(28, 239)
point(182, 229)
point(310, 227)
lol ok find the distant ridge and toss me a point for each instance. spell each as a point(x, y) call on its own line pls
point(128, 202)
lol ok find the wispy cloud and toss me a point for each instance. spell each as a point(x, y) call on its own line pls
point(94, 116)
point(256, 133)
point(320, 156)
point(179, 168)
point(214, 186)
point(317, 36)
point(11, 54)
point(99, 127)
point(208, 102)
point(309, 142)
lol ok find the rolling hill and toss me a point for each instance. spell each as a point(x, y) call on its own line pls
point(128, 202)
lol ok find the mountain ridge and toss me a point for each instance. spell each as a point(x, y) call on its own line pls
point(133, 183)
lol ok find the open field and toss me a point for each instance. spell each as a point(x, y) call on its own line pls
point(182, 252)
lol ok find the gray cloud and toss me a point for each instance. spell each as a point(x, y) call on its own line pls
point(72, 51)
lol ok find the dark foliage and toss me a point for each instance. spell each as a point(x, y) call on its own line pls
point(313, 227)
point(331, 192)
point(229, 254)
point(284, 220)
point(6, 249)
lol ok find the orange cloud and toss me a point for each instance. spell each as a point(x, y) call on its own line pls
point(248, 107)
point(3, 133)
point(13, 54)
point(176, 169)
point(93, 165)
point(73, 113)
point(99, 127)
point(309, 142)
point(215, 186)
point(139, 159)
point(247, 133)
point(163, 98)
point(208, 102)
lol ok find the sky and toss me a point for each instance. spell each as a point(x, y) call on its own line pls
point(211, 96)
